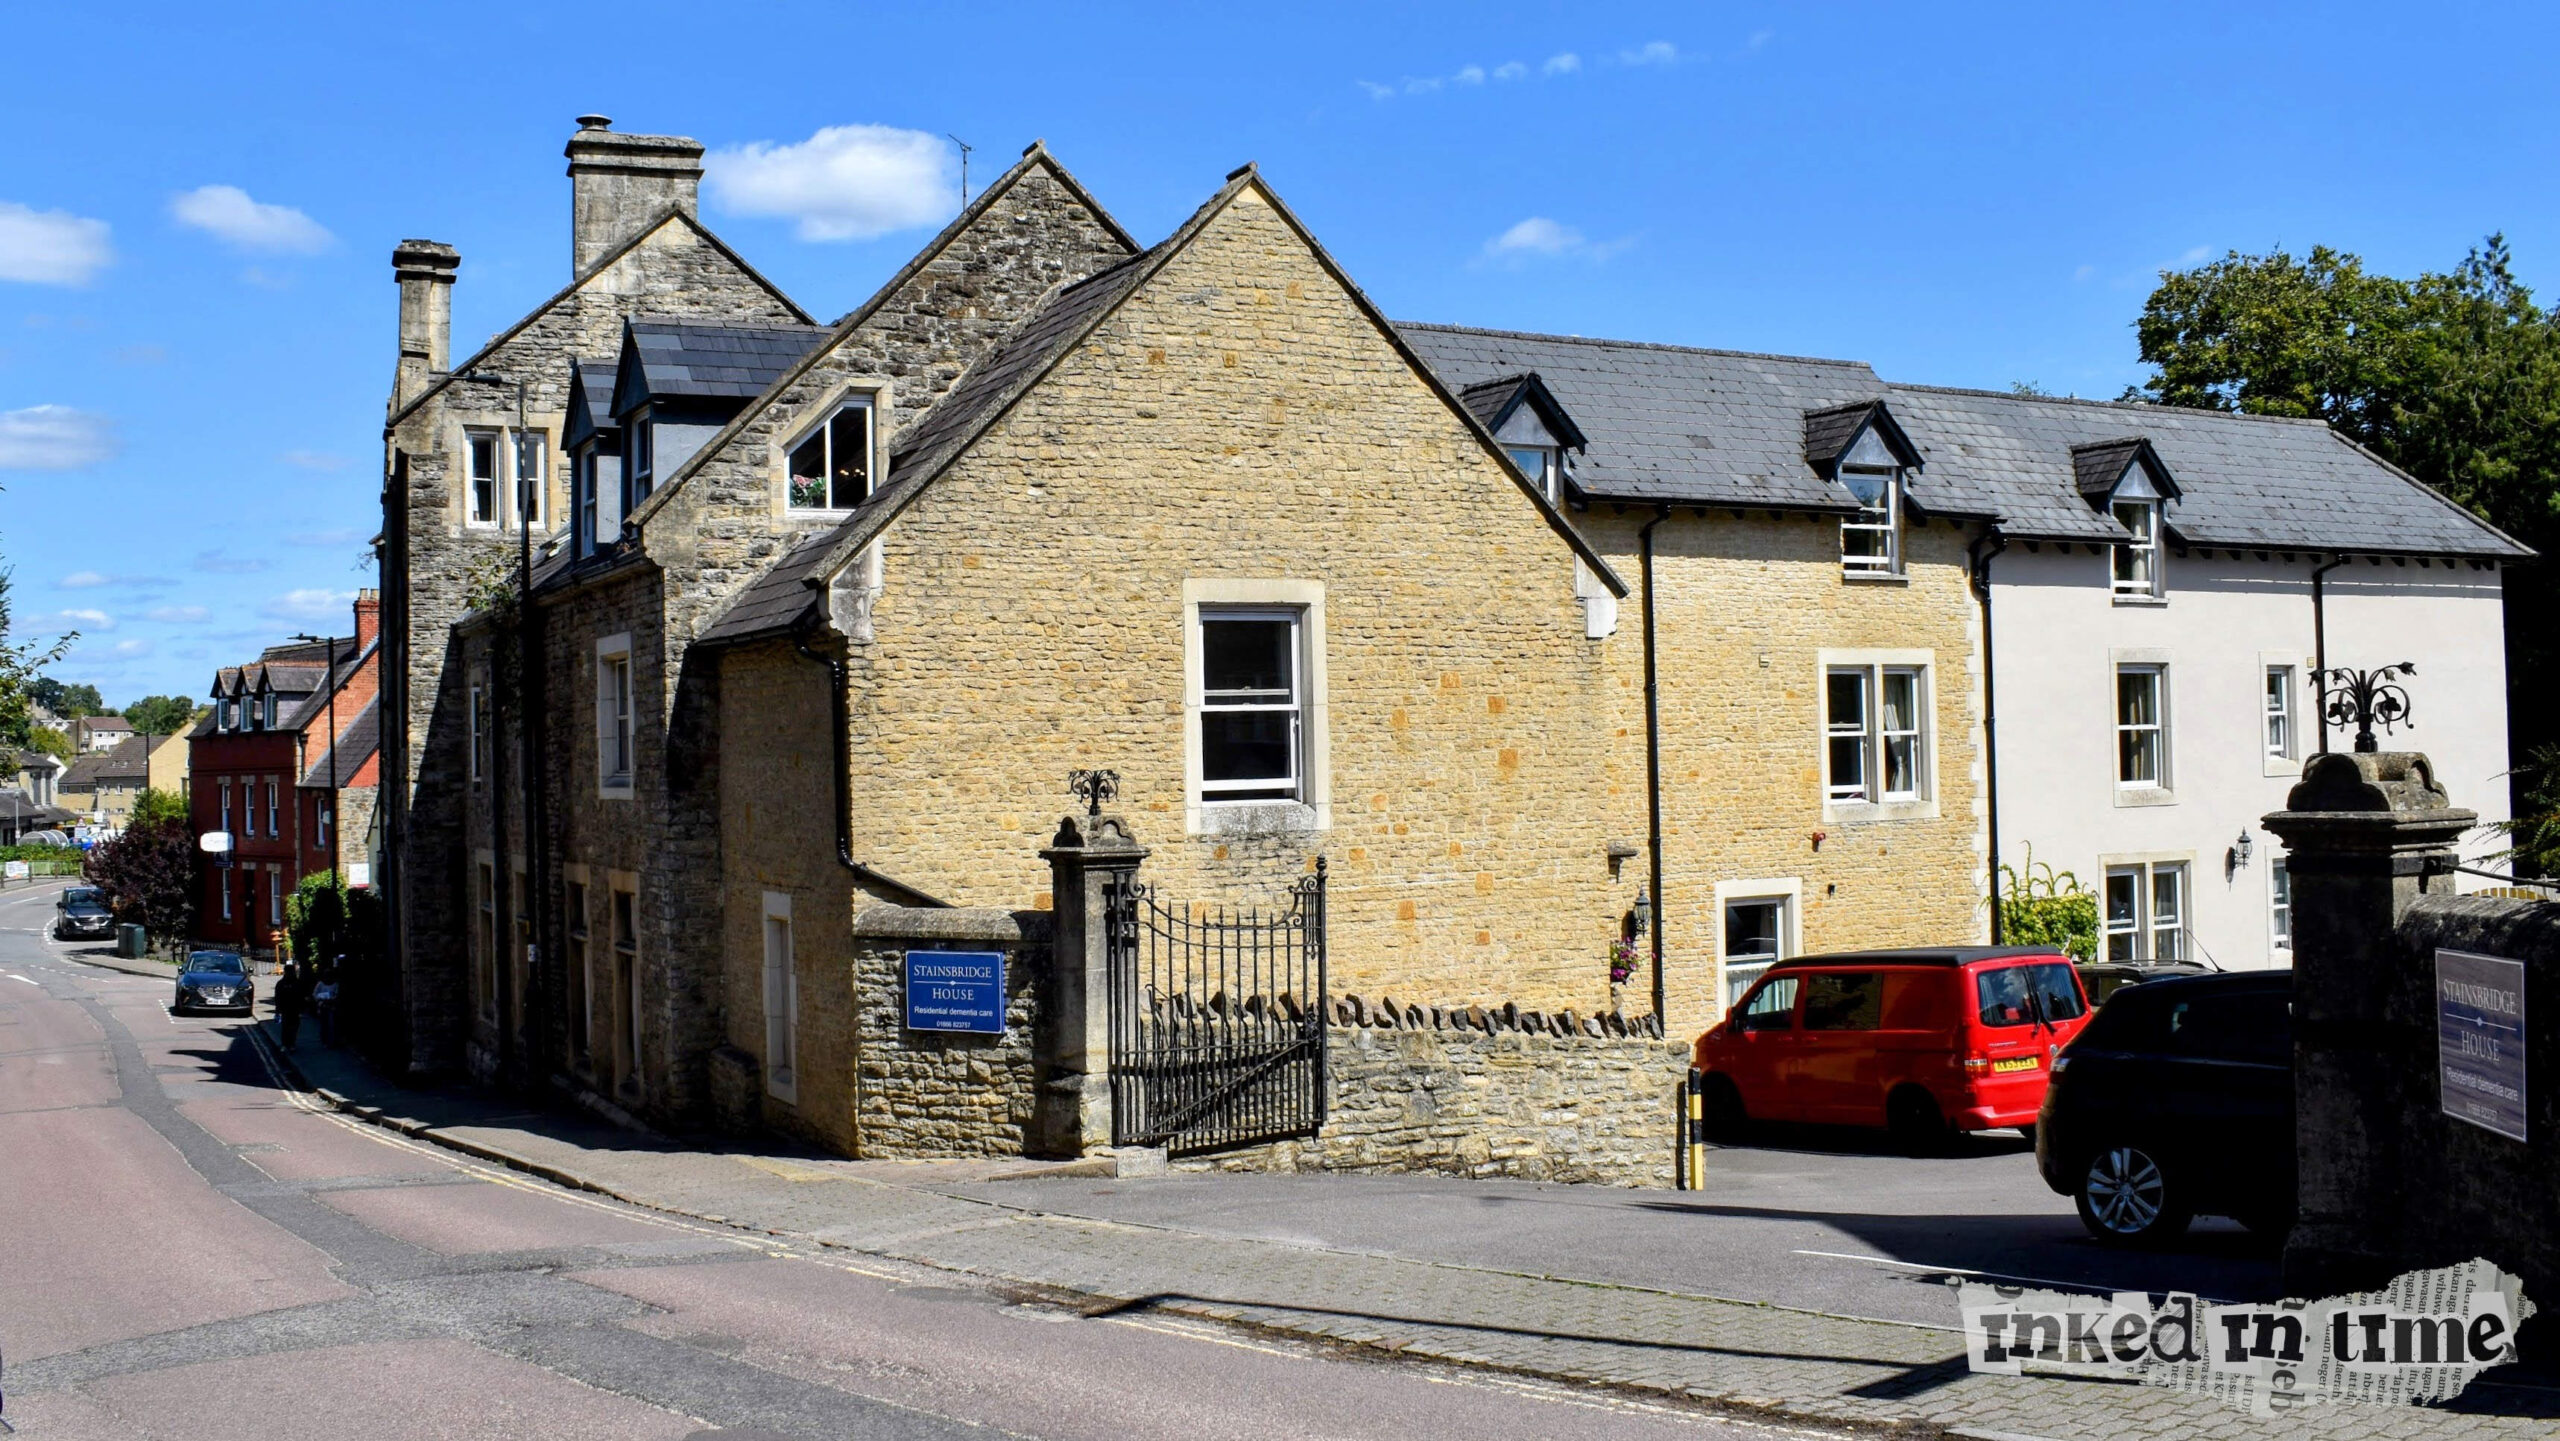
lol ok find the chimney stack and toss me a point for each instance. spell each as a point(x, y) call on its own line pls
point(368, 618)
point(424, 270)
point(618, 184)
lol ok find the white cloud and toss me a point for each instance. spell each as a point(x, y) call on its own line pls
point(1471, 75)
point(76, 618)
point(2196, 255)
point(83, 580)
point(847, 182)
point(310, 604)
point(177, 614)
point(1536, 235)
point(227, 211)
point(54, 437)
point(50, 247)
point(313, 460)
point(1564, 64)
point(133, 647)
point(1759, 38)
point(1422, 85)
point(1659, 52)
point(1510, 70)
point(1377, 91)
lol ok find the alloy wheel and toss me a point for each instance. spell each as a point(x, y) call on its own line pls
point(2126, 1191)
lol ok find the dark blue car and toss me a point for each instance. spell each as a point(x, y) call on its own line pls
point(215, 981)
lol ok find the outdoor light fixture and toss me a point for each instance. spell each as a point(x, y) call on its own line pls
point(2238, 856)
point(1644, 911)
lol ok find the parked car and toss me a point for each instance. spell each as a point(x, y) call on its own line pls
point(2102, 979)
point(85, 915)
point(2177, 1101)
point(215, 981)
point(1924, 1042)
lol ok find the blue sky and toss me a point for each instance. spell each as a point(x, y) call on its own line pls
point(196, 313)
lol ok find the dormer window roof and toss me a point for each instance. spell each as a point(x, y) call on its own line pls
point(1532, 425)
point(590, 402)
point(1863, 435)
point(2126, 469)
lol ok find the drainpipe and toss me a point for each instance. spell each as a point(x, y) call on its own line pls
point(2320, 647)
point(838, 709)
point(1981, 577)
point(1653, 771)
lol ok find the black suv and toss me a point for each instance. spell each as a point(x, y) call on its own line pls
point(2176, 1100)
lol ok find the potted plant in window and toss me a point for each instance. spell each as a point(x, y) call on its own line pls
point(1622, 964)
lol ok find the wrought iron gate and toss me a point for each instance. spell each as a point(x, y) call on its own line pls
point(1217, 1019)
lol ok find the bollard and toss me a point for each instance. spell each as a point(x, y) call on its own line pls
point(1693, 1132)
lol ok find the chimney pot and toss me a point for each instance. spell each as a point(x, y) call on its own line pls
point(595, 122)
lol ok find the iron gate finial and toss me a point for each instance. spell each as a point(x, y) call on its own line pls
point(2366, 698)
point(1093, 787)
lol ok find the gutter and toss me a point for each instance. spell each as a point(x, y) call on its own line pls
point(1653, 768)
point(837, 709)
point(2320, 646)
point(1981, 578)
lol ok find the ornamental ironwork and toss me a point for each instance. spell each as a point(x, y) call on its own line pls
point(2366, 699)
point(1093, 788)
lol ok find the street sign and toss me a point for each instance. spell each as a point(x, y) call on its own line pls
point(959, 991)
point(2480, 1040)
point(17, 870)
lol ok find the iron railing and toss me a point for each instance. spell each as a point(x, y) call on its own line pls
point(1217, 1019)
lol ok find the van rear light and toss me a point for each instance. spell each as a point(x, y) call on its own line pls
point(1977, 1065)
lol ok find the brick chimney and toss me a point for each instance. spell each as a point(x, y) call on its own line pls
point(424, 270)
point(620, 183)
point(368, 618)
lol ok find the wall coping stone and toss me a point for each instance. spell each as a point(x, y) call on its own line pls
point(953, 923)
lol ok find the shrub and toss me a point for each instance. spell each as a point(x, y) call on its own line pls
point(2041, 906)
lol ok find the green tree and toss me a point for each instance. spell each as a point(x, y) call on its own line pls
point(148, 872)
point(154, 807)
point(161, 715)
point(67, 701)
point(52, 742)
point(315, 917)
point(2454, 377)
point(20, 660)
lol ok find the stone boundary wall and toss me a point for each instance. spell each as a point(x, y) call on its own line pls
point(918, 1094)
point(1486, 1092)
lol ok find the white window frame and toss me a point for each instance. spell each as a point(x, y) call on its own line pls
point(2279, 907)
point(2159, 783)
point(474, 511)
point(2279, 729)
point(617, 717)
point(639, 467)
point(2288, 761)
point(275, 897)
point(226, 809)
point(478, 731)
point(1303, 601)
point(1733, 976)
point(274, 829)
point(1870, 800)
point(2146, 927)
point(1885, 520)
point(1543, 464)
point(537, 445)
point(2145, 549)
point(230, 715)
point(821, 430)
point(781, 1002)
point(222, 883)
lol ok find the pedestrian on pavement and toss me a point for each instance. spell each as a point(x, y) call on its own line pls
point(291, 992)
point(324, 1004)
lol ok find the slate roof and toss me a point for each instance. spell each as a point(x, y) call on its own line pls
point(129, 762)
point(590, 400)
point(779, 599)
point(1715, 427)
point(354, 746)
point(2244, 481)
point(663, 358)
point(1492, 402)
point(1667, 422)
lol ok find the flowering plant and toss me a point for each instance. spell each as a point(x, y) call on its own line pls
point(1622, 960)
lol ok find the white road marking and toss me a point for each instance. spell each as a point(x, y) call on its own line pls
point(28, 979)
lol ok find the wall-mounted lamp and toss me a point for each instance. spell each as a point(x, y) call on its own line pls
point(2238, 856)
point(1644, 911)
point(1819, 837)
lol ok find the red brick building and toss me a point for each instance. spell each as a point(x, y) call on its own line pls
point(284, 765)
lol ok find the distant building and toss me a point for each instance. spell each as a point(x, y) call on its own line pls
point(101, 787)
point(98, 734)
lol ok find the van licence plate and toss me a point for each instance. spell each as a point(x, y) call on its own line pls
point(2014, 1063)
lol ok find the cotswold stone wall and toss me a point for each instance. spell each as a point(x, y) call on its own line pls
point(919, 1094)
point(1539, 1096)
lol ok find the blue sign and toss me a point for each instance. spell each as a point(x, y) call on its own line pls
point(2480, 1040)
point(956, 991)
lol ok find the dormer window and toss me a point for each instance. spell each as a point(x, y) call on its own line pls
point(1539, 463)
point(229, 717)
point(643, 460)
point(830, 469)
point(2127, 480)
point(2137, 561)
point(1871, 539)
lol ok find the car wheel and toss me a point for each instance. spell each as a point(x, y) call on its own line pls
point(1722, 1109)
point(2127, 1197)
point(1917, 1125)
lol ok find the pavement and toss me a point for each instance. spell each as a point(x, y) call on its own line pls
point(198, 1246)
point(1635, 1291)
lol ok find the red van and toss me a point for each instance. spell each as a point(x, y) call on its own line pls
point(1925, 1042)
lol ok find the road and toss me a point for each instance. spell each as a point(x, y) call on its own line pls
point(194, 1252)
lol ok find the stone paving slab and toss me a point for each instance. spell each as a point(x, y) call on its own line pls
point(1771, 1359)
